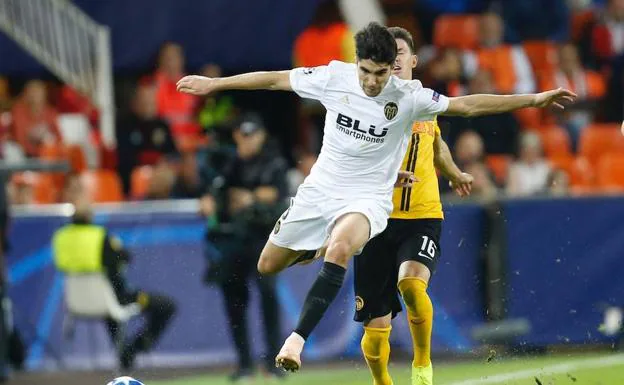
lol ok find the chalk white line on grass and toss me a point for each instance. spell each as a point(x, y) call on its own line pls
point(570, 366)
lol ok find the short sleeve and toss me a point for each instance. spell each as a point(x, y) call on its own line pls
point(428, 104)
point(309, 82)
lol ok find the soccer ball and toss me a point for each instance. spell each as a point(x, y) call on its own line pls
point(125, 381)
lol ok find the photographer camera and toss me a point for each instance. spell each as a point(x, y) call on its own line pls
point(242, 205)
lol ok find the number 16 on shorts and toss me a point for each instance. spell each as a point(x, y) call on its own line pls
point(428, 248)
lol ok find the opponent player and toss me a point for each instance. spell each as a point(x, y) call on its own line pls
point(346, 199)
point(408, 250)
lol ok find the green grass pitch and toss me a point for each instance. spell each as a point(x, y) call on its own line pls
point(594, 369)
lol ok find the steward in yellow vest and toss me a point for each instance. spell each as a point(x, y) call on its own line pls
point(82, 248)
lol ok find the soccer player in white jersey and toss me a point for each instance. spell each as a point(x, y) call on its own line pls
point(346, 199)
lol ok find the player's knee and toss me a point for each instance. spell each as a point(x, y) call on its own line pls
point(380, 322)
point(409, 297)
point(339, 252)
point(373, 342)
point(413, 291)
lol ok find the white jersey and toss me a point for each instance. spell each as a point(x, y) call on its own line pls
point(365, 138)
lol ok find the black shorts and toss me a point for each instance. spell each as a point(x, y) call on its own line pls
point(377, 268)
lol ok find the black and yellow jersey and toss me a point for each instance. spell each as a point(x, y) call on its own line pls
point(422, 200)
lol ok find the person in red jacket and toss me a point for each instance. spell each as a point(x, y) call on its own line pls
point(608, 35)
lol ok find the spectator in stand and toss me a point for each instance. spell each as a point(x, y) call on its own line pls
point(469, 149)
point(327, 38)
point(175, 107)
point(21, 190)
point(608, 35)
point(446, 72)
point(536, 20)
point(34, 121)
point(71, 101)
point(483, 186)
point(508, 64)
point(5, 96)
point(588, 85)
point(218, 112)
point(499, 132)
point(469, 155)
point(188, 183)
point(142, 137)
point(530, 174)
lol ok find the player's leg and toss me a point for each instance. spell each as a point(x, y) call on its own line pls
point(349, 235)
point(376, 348)
point(299, 229)
point(376, 303)
point(419, 254)
point(274, 259)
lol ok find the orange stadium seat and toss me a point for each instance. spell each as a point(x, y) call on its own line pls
point(542, 55)
point(76, 157)
point(610, 174)
point(102, 185)
point(599, 139)
point(555, 141)
point(499, 164)
point(52, 151)
point(578, 169)
point(456, 31)
point(140, 181)
point(529, 117)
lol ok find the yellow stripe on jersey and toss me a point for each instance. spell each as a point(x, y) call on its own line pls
point(422, 200)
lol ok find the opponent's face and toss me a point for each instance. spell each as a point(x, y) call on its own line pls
point(405, 61)
point(373, 76)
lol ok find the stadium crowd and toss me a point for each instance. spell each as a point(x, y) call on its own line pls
point(471, 46)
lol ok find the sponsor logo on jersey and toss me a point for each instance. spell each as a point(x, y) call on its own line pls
point(424, 128)
point(391, 110)
point(308, 70)
point(352, 128)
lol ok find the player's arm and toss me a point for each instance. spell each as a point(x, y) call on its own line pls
point(202, 85)
point(484, 104)
point(443, 159)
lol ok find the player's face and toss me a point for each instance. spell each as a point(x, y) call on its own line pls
point(373, 76)
point(405, 61)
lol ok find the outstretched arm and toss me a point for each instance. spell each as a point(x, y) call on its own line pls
point(482, 104)
point(460, 182)
point(201, 85)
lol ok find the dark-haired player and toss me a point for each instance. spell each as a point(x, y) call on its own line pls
point(347, 197)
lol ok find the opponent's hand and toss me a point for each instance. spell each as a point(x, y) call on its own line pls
point(557, 98)
point(197, 85)
point(462, 184)
point(405, 179)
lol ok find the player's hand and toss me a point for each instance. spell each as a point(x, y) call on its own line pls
point(405, 179)
point(197, 85)
point(462, 184)
point(557, 98)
